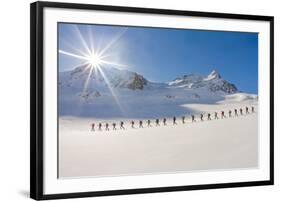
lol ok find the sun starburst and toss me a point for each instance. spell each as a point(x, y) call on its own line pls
point(91, 55)
point(95, 58)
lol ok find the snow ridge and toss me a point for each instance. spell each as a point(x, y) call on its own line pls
point(112, 92)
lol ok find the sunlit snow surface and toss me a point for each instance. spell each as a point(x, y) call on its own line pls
point(154, 100)
point(229, 143)
point(224, 144)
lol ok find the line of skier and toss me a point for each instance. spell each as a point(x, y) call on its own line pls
point(133, 124)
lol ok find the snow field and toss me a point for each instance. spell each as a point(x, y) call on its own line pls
point(230, 143)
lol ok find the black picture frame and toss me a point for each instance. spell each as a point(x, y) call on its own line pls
point(37, 101)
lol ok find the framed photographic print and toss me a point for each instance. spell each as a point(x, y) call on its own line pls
point(134, 100)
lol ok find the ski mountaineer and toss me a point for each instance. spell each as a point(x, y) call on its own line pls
point(93, 126)
point(253, 109)
point(164, 121)
point(193, 118)
point(216, 115)
point(122, 125)
point(183, 119)
point(148, 123)
point(140, 124)
point(132, 124)
point(241, 111)
point(157, 122)
point(229, 113)
point(222, 114)
point(209, 116)
point(106, 127)
point(235, 111)
point(247, 110)
point(114, 126)
point(100, 125)
point(174, 120)
point(201, 117)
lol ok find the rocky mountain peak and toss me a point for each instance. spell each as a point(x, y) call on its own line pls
point(213, 75)
point(119, 78)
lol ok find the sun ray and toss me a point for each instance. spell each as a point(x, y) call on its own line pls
point(95, 71)
point(113, 63)
point(95, 59)
point(80, 65)
point(69, 45)
point(104, 56)
point(91, 39)
point(72, 54)
point(113, 41)
point(85, 88)
point(80, 36)
point(99, 43)
point(114, 94)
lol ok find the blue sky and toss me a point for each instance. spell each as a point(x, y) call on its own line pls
point(163, 54)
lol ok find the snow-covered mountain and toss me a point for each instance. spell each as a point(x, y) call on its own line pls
point(108, 77)
point(214, 82)
point(123, 93)
point(119, 78)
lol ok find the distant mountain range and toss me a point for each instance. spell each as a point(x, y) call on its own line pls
point(118, 78)
point(115, 92)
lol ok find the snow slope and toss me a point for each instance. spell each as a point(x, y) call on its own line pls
point(115, 93)
point(230, 143)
